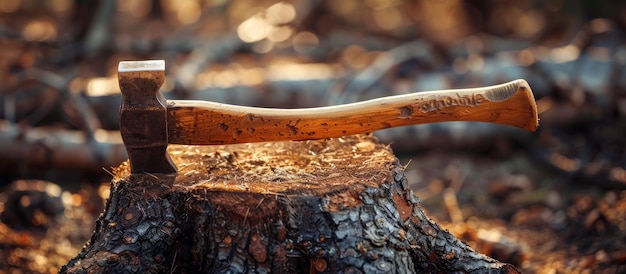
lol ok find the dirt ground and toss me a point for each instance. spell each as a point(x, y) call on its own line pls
point(511, 209)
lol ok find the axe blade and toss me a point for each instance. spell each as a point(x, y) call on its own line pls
point(143, 118)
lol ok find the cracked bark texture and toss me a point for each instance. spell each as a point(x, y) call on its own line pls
point(330, 206)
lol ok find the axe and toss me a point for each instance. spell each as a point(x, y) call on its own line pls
point(148, 122)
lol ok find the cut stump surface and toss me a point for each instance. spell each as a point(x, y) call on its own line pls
point(330, 206)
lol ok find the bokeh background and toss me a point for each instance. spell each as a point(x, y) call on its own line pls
point(552, 201)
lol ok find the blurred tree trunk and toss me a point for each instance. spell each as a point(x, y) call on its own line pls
point(328, 206)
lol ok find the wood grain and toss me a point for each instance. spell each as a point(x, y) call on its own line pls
point(208, 123)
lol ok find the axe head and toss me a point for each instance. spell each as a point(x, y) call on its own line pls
point(143, 117)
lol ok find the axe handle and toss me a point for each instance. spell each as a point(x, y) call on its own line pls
point(207, 123)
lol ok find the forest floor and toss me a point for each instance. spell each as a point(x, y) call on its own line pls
point(510, 208)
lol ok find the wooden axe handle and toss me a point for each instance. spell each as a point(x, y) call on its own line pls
point(208, 123)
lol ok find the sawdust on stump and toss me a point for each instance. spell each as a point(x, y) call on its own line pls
point(328, 206)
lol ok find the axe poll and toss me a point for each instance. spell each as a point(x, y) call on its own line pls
point(148, 122)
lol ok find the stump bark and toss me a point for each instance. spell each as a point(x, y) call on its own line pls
point(327, 206)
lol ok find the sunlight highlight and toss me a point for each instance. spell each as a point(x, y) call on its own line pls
point(102, 86)
point(39, 31)
point(268, 24)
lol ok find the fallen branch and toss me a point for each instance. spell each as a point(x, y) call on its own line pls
point(47, 147)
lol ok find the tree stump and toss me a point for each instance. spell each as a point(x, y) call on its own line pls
point(329, 206)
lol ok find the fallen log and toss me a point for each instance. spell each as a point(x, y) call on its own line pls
point(47, 147)
point(330, 206)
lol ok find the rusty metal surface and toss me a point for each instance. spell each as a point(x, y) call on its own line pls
point(143, 122)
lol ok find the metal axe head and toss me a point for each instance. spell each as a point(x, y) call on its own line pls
point(143, 117)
